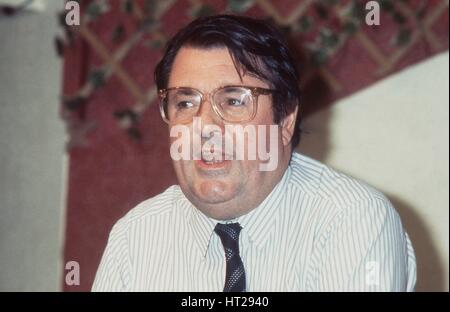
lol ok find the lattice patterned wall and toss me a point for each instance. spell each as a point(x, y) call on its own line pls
point(108, 88)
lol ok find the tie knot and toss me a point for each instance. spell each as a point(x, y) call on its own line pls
point(228, 233)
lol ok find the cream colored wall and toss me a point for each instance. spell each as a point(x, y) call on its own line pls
point(395, 136)
point(32, 155)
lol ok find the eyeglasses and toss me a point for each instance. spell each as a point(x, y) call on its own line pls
point(234, 104)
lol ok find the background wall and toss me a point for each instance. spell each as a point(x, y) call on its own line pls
point(118, 143)
point(392, 134)
point(31, 153)
point(395, 136)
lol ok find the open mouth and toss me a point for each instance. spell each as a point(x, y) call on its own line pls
point(213, 159)
point(212, 164)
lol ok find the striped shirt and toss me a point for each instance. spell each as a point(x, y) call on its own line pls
point(318, 230)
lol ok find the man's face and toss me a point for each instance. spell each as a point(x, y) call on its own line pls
point(230, 188)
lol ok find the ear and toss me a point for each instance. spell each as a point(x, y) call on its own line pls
point(288, 126)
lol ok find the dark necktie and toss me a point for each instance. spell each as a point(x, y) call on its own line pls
point(235, 273)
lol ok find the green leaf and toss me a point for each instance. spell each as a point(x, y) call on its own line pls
point(403, 37)
point(305, 23)
point(319, 57)
point(62, 19)
point(126, 113)
point(358, 11)
point(149, 23)
point(202, 10)
point(321, 10)
point(94, 10)
point(387, 5)
point(239, 5)
point(97, 78)
point(134, 133)
point(328, 38)
point(350, 27)
point(399, 18)
point(156, 44)
point(74, 103)
point(118, 33)
point(127, 6)
point(59, 46)
point(329, 2)
point(420, 14)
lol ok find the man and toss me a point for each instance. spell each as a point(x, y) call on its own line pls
point(235, 223)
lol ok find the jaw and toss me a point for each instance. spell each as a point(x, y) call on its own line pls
point(217, 185)
point(230, 191)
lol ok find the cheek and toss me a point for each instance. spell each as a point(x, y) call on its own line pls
point(182, 170)
point(265, 111)
point(247, 169)
point(177, 168)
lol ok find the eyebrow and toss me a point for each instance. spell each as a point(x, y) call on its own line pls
point(185, 91)
point(231, 89)
point(223, 85)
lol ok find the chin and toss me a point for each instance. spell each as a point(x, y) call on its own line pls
point(218, 212)
point(215, 192)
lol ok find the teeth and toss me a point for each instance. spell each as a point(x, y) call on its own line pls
point(213, 161)
point(217, 157)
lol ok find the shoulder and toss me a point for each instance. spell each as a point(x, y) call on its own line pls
point(347, 212)
point(154, 209)
point(326, 184)
point(338, 198)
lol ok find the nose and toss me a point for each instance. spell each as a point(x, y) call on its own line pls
point(208, 115)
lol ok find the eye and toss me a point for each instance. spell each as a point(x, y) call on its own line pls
point(184, 105)
point(235, 102)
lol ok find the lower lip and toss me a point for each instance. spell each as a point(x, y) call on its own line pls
point(214, 165)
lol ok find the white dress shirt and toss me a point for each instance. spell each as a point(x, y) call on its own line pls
point(318, 230)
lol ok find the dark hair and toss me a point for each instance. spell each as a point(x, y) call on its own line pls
point(255, 46)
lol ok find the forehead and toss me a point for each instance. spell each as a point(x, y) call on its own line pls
point(206, 69)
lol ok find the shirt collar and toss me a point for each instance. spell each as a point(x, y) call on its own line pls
point(202, 227)
point(257, 224)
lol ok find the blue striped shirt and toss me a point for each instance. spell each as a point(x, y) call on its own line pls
point(318, 230)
